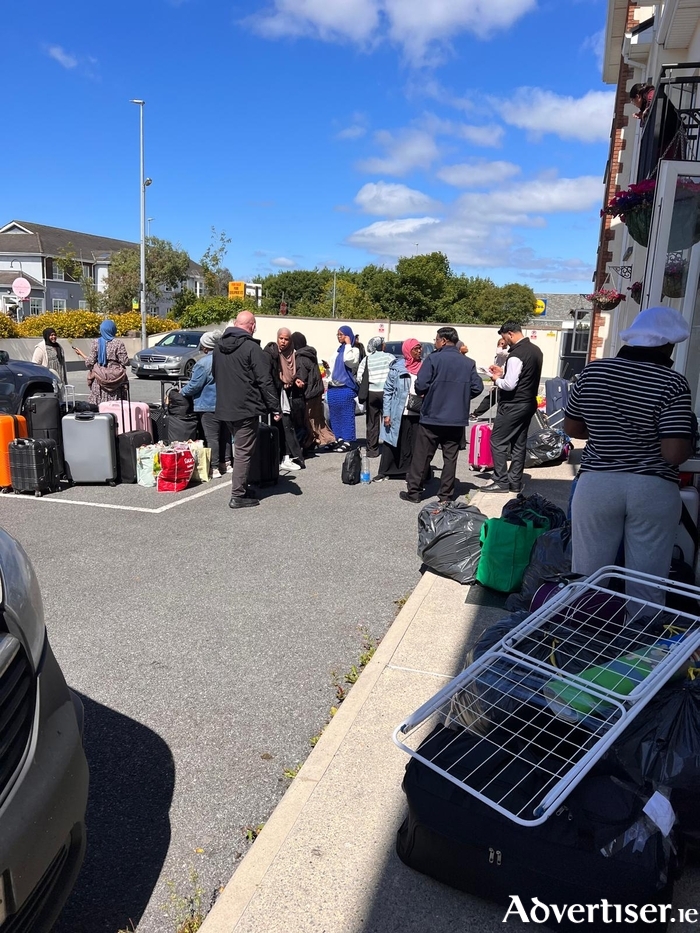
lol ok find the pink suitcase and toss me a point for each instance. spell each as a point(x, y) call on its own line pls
point(140, 416)
point(480, 446)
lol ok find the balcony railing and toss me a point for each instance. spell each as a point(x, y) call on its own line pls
point(672, 126)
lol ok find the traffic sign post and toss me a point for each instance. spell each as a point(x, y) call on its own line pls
point(540, 307)
point(21, 288)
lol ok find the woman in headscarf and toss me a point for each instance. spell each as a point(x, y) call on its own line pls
point(371, 376)
point(49, 353)
point(283, 366)
point(398, 428)
point(308, 379)
point(107, 362)
point(342, 389)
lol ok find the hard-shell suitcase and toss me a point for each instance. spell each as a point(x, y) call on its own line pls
point(34, 465)
point(265, 463)
point(461, 841)
point(44, 421)
point(159, 422)
point(11, 426)
point(687, 536)
point(480, 456)
point(89, 447)
point(129, 439)
point(557, 395)
point(140, 419)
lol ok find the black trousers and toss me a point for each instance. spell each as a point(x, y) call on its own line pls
point(217, 437)
point(428, 438)
point(374, 414)
point(245, 437)
point(509, 440)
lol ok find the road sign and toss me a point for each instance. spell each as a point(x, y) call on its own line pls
point(134, 304)
point(21, 288)
point(236, 290)
point(540, 307)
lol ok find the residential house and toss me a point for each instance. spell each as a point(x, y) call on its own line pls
point(652, 256)
point(32, 249)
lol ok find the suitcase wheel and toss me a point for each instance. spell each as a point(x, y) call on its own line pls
point(16, 491)
point(38, 493)
point(111, 482)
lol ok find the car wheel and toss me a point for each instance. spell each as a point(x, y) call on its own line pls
point(187, 369)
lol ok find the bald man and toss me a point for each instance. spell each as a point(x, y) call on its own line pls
point(244, 392)
point(283, 368)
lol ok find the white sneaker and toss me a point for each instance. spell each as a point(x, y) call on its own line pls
point(289, 464)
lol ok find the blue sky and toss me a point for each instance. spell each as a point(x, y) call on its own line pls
point(315, 132)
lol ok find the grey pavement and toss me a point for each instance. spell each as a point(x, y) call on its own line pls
point(202, 642)
point(325, 861)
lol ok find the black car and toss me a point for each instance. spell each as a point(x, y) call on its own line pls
point(43, 770)
point(394, 347)
point(19, 380)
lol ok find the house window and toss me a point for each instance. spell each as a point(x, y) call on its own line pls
point(36, 306)
point(83, 306)
point(87, 271)
point(58, 304)
point(57, 273)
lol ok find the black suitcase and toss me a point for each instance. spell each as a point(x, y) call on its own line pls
point(265, 463)
point(34, 465)
point(182, 420)
point(159, 420)
point(43, 413)
point(457, 839)
point(556, 396)
point(128, 443)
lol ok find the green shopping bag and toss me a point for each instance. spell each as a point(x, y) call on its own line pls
point(505, 553)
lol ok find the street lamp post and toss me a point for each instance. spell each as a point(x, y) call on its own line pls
point(149, 225)
point(143, 184)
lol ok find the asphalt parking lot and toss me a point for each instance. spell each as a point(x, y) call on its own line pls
point(202, 642)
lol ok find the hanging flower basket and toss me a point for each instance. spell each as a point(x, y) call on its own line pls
point(605, 299)
point(638, 224)
point(675, 278)
point(635, 291)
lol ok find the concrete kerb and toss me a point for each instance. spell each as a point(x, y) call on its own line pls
point(249, 875)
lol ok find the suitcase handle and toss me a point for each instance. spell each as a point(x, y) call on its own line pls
point(84, 416)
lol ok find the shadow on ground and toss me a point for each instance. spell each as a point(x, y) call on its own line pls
point(132, 777)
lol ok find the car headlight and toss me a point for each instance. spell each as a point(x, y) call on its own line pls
point(20, 597)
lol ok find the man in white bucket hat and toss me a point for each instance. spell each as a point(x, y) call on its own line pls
point(635, 412)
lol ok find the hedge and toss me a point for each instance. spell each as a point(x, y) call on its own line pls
point(73, 325)
point(8, 328)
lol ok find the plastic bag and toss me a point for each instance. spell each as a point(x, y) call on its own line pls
point(176, 469)
point(524, 507)
point(506, 547)
point(551, 557)
point(351, 468)
point(547, 447)
point(449, 539)
point(145, 458)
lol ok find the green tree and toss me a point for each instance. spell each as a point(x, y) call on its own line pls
point(422, 284)
point(351, 303)
point(295, 286)
point(214, 309)
point(512, 302)
point(216, 275)
point(74, 271)
point(166, 266)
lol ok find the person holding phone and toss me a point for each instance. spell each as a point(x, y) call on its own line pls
point(49, 353)
point(107, 362)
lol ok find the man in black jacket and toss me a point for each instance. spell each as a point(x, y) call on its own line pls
point(447, 381)
point(244, 391)
point(518, 383)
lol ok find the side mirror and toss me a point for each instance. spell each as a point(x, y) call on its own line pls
point(4, 357)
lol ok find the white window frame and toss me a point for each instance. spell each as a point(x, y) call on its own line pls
point(83, 306)
point(58, 305)
point(36, 303)
point(57, 273)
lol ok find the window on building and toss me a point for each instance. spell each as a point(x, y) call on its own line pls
point(58, 304)
point(152, 310)
point(83, 306)
point(36, 306)
point(57, 273)
point(88, 271)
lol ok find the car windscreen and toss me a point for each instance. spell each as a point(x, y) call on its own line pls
point(179, 340)
point(394, 346)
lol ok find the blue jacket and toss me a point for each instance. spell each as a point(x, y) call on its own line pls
point(448, 381)
point(396, 389)
point(201, 386)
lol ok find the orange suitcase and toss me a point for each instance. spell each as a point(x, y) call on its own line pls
point(11, 426)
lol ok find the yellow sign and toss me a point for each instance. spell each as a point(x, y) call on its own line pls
point(236, 290)
point(134, 304)
point(540, 308)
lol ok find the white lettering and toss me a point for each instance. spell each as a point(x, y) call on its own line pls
point(559, 912)
point(648, 913)
point(574, 910)
point(688, 912)
point(516, 905)
point(591, 911)
point(537, 905)
point(631, 913)
point(664, 910)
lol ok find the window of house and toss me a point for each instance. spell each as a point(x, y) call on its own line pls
point(152, 310)
point(87, 271)
point(57, 272)
point(36, 306)
point(58, 304)
point(83, 306)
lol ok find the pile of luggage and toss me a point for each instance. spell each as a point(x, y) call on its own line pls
point(57, 443)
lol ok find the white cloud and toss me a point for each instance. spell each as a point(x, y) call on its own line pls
point(524, 203)
point(392, 200)
point(596, 44)
point(405, 150)
point(59, 54)
point(408, 23)
point(354, 131)
point(477, 174)
point(489, 135)
point(586, 118)
point(283, 263)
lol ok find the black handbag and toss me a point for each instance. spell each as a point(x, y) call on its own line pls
point(414, 404)
point(363, 390)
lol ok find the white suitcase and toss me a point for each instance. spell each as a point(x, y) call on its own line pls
point(89, 447)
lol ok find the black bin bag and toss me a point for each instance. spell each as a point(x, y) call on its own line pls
point(551, 558)
point(449, 539)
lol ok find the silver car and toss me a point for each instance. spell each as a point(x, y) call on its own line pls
point(173, 355)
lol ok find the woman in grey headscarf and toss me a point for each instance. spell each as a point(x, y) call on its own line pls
point(371, 377)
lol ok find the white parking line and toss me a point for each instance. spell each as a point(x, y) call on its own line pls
point(120, 508)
